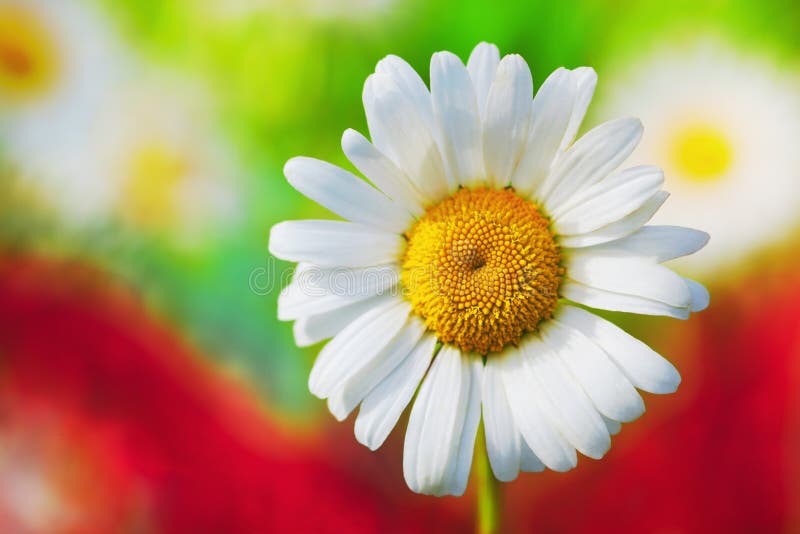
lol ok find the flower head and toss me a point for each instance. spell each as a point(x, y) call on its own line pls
point(58, 65)
point(150, 163)
point(457, 270)
point(29, 61)
point(726, 136)
point(57, 61)
point(169, 172)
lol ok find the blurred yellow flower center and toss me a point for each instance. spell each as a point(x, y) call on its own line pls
point(155, 173)
point(701, 152)
point(482, 268)
point(28, 55)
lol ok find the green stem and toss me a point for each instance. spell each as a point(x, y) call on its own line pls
point(487, 520)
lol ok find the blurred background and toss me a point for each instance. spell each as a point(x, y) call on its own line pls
point(146, 385)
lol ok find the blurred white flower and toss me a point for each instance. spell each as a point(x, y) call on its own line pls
point(30, 499)
point(96, 141)
point(726, 128)
point(166, 169)
point(57, 63)
point(150, 162)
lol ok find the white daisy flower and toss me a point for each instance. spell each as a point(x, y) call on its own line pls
point(166, 169)
point(725, 127)
point(30, 497)
point(96, 139)
point(57, 62)
point(152, 163)
point(461, 270)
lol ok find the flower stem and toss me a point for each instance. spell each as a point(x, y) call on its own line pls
point(487, 514)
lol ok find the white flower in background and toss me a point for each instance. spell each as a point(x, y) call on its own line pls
point(55, 475)
point(57, 62)
point(166, 169)
point(726, 129)
point(30, 499)
point(486, 220)
point(96, 141)
point(151, 162)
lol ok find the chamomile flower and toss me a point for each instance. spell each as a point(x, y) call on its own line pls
point(57, 62)
point(168, 171)
point(725, 126)
point(150, 163)
point(463, 267)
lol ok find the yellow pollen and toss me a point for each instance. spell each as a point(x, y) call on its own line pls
point(28, 55)
point(482, 268)
point(155, 175)
point(701, 152)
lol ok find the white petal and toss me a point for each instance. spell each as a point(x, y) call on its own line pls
point(345, 194)
point(482, 65)
point(700, 296)
point(645, 368)
point(609, 201)
point(613, 426)
point(656, 243)
point(528, 461)
point(315, 290)
point(411, 84)
point(508, 110)
point(381, 171)
point(612, 181)
point(628, 276)
point(442, 425)
point(378, 130)
point(382, 408)
point(407, 139)
point(502, 436)
point(359, 342)
point(313, 329)
point(616, 230)
point(334, 243)
point(366, 373)
point(466, 446)
point(456, 110)
point(608, 300)
point(528, 402)
point(612, 394)
point(585, 81)
point(591, 159)
point(570, 410)
point(414, 455)
point(552, 107)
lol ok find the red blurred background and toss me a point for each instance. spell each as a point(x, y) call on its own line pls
point(110, 422)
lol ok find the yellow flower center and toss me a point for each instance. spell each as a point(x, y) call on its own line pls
point(482, 268)
point(155, 173)
point(28, 56)
point(701, 152)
